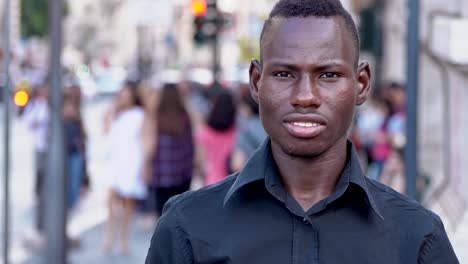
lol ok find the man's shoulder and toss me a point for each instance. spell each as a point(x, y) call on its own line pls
point(194, 202)
point(398, 206)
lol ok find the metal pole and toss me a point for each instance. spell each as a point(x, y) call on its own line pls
point(216, 57)
point(6, 132)
point(56, 190)
point(412, 71)
point(215, 42)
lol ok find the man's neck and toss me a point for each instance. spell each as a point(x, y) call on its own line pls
point(310, 180)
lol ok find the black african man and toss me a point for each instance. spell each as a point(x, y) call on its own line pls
point(302, 197)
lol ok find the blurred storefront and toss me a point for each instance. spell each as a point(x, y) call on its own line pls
point(119, 32)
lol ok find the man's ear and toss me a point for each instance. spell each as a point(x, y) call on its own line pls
point(255, 72)
point(364, 82)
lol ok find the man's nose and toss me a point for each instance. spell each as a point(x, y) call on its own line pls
point(306, 93)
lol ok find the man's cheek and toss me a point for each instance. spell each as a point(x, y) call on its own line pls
point(270, 101)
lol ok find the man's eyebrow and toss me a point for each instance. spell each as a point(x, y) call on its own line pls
point(331, 64)
point(319, 67)
point(283, 65)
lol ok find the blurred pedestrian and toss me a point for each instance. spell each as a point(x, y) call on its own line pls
point(172, 159)
point(74, 148)
point(74, 94)
point(36, 117)
point(371, 128)
point(393, 172)
point(215, 139)
point(395, 93)
point(396, 126)
point(124, 167)
point(250, 133)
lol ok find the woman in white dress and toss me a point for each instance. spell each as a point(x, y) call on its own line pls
point(125, 163)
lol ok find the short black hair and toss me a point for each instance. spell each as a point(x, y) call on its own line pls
point(223, 113)
point(312, 8)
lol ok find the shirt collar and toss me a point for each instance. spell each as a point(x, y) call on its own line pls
point(253, 170)
point(357, 177)
point(259, 167)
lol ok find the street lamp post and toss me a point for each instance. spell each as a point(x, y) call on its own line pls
point(412, 72)
point(6, 133)
point(55, 187)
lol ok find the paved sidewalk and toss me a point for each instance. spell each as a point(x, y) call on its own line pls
point(90, 250)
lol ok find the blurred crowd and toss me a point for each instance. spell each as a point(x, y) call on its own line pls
point(180, 135)
point(379, 134)
point(36, 116)
point(162, 141)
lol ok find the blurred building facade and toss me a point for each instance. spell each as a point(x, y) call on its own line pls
point(15, 22)
point(15, 19)
point(100, 30)
point(117, 32)
point(443, 93)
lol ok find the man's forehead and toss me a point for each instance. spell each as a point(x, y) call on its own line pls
point(308, 34)
point(310, 23)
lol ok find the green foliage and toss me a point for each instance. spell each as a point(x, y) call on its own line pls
point(249, 49)
point(34, 17)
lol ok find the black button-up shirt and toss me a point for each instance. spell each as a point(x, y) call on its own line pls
point(250, 218)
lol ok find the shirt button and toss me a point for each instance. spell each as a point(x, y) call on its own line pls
point(306, 221)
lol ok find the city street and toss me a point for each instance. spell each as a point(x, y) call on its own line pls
point(195, 65)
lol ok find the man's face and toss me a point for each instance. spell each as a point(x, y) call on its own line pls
point(308, 84)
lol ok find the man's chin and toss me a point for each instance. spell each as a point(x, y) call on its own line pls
point(303, 153)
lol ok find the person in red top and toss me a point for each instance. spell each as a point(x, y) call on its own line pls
point(215, 139)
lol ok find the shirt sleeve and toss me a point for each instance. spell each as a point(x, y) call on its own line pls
point(436, 248)
point(169, 244)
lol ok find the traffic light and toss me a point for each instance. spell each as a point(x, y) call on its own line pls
point(206, 20)
point(21, 98)
point(198, 7)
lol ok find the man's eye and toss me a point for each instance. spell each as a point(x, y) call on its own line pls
point(329, 75)
point(282, 74)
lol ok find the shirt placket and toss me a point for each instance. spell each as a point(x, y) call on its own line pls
point(305, 242)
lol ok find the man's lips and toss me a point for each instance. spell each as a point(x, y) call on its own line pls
point(305, 125)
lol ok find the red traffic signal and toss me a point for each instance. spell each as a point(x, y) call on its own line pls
point(198, 7)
